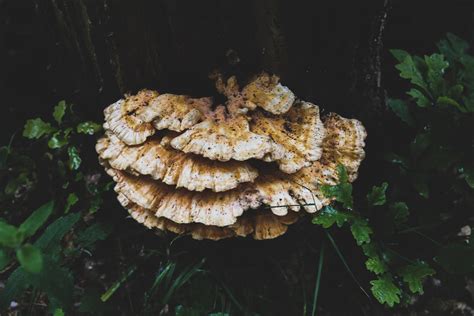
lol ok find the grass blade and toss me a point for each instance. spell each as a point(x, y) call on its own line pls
point(182, 279)
point(318, 278)
point(117, 284)
point(333, 243)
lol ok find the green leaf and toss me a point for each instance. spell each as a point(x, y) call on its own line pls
point(88, 128)
point(342, 174)
point(369, 250)
point(57, 282)
point(93, 233)
point(361, 231)
point(455, 92)
point(448, 102)
point(4, 153)
point(436, 68)
point(74, 158)
point(414, 274)
point(399, 212)
point(36, 128)
point(4, 259)
point(17, 282)
point(9, 235)
point(409, 70)
point(111, 290)
point(55, 231)
point(95, 203)
point(376, 265)
point(377, 195)
point(453, 47)
point(36, 219)
point(399, 54)
point(342, 192)
point(385, 291)
point(328, 216)
point(54, 280)
point(71, 200)
point(58, 312)
point(58, 140)
point(59, 111)
point(456, 258)
point(30, 258)
point(420, 99)
point(15, 185)
point(469, 176)
point(400, 108)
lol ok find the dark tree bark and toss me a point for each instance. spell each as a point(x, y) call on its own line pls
point(91, 52)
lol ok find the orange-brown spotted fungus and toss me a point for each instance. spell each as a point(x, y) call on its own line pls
point(252, 166)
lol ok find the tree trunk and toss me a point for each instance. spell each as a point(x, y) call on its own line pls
point(90, 52)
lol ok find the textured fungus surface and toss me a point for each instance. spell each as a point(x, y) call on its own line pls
point(268, 93)
point(300, 132)
point(161, 162)
point(251, 166)
point(227, 139)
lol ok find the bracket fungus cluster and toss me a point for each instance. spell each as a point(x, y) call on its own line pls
point(251, 166)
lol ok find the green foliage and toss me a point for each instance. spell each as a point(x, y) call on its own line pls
point(385, 291)
point(88, 128)
point(58, 140)
point(56, 231)
point(361, 231)
point(436, 66)
point(330, 215)
point(169, 283)
point(377, 195)
point(36, 220)
point(71, 200)
point(12, 238)
point(468, 174)
point(74, 158)
point(30, 258)
point(43, 272)
point(9, 235)
point(59, 111)
point(376, 265)
point(400, 108)
point(342, 192)
point(379, 261)
point(409, 70)
point(58, 312)
point(399, 212)
point(43, 260)
point(37, 128)
point(414, 274)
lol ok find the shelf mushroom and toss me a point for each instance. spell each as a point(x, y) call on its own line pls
point(252, 166)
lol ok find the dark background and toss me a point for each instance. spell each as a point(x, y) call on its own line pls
point(90, 52)
point(333, 53)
